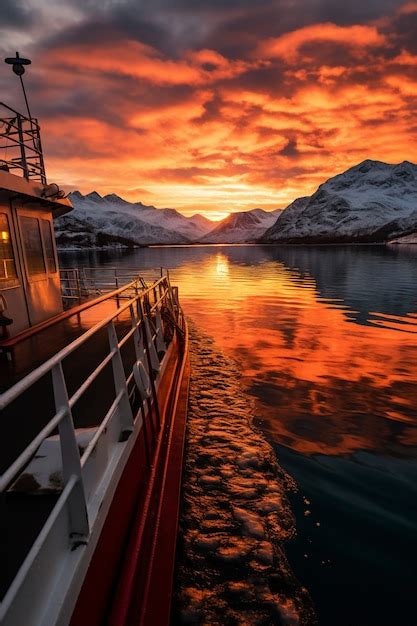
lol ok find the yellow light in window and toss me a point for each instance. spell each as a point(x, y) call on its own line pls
point(4, 236)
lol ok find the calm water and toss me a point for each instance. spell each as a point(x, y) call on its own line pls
point(326, 341)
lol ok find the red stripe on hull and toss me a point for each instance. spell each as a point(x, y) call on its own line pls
point(119, 579)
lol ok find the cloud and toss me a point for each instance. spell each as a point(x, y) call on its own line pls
point(290, 150)
point(15, 14)
point(289, 47)
point(141, 61)
point(408, 9)
point(213, 105)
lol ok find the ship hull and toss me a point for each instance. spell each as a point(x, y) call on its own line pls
point(138, 538)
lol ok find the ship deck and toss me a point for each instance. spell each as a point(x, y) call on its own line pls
point(24, 515)
point(28, 350)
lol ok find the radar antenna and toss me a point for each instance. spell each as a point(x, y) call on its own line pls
point(18, 65)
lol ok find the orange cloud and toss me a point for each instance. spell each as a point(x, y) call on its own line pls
point(406, 86)
point(214, 131)
point(408, 8)
point(405, 58)
point(288, 46)
point(140, 61)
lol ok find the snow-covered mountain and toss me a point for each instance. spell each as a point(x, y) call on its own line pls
point(242, 227)
point(97, 220)
point(406, 239)
point(371, 202)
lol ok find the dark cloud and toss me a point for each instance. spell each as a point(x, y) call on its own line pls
point(13, 13)
point(405, 28)
point(290, 150)
point(211, 110)
point(107, 101)
point(96, 29)
point(354, 11)
point(233, 27)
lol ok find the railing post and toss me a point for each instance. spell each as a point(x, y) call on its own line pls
point(173, 302)
point(125, 410)
point(78, 284)
point(136, 335)
point(116, 284)
point(161, 292)
point(71, 465)
point(147, 340)
point(139, 356)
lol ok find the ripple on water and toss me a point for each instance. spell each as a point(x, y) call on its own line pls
point(231, 566)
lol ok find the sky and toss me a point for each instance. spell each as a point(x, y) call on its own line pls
point(214, 106)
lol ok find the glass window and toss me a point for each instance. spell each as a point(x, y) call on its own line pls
point(33, 245)
point(7, 264)
point(48, 245)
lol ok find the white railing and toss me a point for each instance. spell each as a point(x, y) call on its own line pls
point(78, 284)
point(146, 333)
point(71, 285)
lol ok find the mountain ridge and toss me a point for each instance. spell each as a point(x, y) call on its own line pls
point(113, 220)
point(369, 203)
point(242, 226)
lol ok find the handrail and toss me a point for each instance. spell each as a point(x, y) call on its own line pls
point(118, 419)
point(22, 385)
point(81, 282)
point(66, 314)
point(13, 589)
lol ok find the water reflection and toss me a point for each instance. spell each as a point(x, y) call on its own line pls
point(326, 385)
point(325, 339)
point(371, 281)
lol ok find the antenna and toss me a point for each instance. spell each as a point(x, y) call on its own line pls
point(27, 130)
point(18, 64)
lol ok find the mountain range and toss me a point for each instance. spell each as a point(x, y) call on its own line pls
point(105, 220)
point(97, 220)
point(371, 202)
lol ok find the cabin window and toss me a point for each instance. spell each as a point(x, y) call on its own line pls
point(7, 263)
point(33, 245)
point(48, 245)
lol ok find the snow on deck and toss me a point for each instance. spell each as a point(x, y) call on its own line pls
point(44, 472)
point(231, 567)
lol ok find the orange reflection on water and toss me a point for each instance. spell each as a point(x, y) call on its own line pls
point(323, 383)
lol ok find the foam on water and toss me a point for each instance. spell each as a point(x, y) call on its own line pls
point(232, 567)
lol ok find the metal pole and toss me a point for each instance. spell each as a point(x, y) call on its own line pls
point(24, 94)
point(22, 146)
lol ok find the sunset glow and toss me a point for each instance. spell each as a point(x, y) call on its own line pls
point(305, 350)
point(215, 107)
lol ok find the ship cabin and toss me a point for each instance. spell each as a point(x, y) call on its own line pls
point(29, 274)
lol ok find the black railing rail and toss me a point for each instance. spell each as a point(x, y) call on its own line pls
point(20, 144)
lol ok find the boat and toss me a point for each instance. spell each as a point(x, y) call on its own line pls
point(94, 377)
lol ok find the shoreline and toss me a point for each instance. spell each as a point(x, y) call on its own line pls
point(234, 245)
